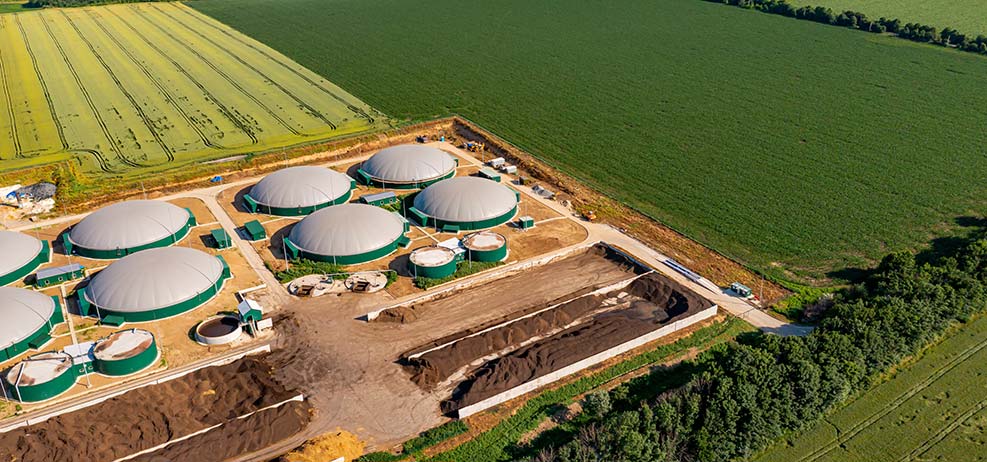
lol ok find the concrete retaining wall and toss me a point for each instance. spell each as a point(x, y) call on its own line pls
point(588, 362)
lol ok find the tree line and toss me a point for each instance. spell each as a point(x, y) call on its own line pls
point(748, 394)
point(71, 3)
point(916, 32)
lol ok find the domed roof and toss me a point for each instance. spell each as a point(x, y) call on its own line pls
point(24, 312)
point(18, 250)
point(153, 279)
point(129, 224)
point(347, 229)
point(301, 187)
point(466, 199)
point(409, 163)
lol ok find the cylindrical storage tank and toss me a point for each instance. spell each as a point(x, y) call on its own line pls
point(297, 191)
point(155, 284)
point(125, 352)
point(218, 330)
point(26, 320)
point(347, 234)
point(41, 377)
point(466, 203)
point(408, 166)
point(128, 227)
point(22, 254)
point(432, 262)
point(485, 246)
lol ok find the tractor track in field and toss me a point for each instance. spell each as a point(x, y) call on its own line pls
point(359, 112)
point(315, 112)
point(126, 93)
point(222, 107)
point(10, 103)
point(89, 100)
point(97, 19)
point(901, 399)
point(944, 432)
point(224, 75)
point(100, 160)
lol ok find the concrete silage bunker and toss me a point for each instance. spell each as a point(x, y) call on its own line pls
point(125, 352)
point(432, 262)
point(465, 203)
point(124, 228)
point(347, 234)
point(407, 166)
point(297, 191)
point(26, 320)
point(154, 284)
point(22, 254)
point(41, 377)
point(485, 246)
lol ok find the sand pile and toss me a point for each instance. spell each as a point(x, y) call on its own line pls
point(152, 415)
point(661, 301)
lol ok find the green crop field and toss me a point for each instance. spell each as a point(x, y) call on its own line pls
point(934, 409)
point(782, 143)
point(131, 89)
point(966, 16)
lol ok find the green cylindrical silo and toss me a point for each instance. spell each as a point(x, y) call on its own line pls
point(432, 262)
point(41, 377)
point(125, 352)
point(485, 246)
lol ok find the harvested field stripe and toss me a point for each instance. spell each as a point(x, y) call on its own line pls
point(944, 432)
point(222, 107)
point(44, 87)
point(89, 100)
point(211, 23)
point(126, 93)
point(908, 394)
point(246, 64)
point(157, 84)
point(225, 76)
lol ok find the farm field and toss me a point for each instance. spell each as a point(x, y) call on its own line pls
point(133, 89)
point(966, 16)
point(934, 409)
point(794, 147)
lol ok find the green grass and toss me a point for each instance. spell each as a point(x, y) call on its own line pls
point(967, 16)
point(138, 89)
point(463, 269)
point(933, 409)
point(782, 143)
point(15, 7)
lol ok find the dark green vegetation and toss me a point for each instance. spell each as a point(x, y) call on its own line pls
point(966, 15)
point(497, 443)
point(70, 3)
point(304, 267)
point(917, 32)
point(744, 397)
point(934, 409)
point(785, 144)
point(420, 443)
point(463, 269)
point(15, 7)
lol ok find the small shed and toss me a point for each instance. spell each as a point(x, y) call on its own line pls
point(53, 276)
point(526, 222)
point(489, 173)
point(255, 230)
point(380, 199)
point(220, 238)
point(250, 314)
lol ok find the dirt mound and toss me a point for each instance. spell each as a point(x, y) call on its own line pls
point(152, 415)
point(661, 301)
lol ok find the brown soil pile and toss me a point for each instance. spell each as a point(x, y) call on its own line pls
point(661, 301)
point(153, 415)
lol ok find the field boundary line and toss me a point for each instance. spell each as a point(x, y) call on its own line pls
point(222, 107)
point(318, 114)
point(944, 432)
point(908, 394)
point(126, 93)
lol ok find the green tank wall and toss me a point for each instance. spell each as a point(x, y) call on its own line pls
point(433, 272)
point(20, 273)
point(120, 253)
point(47, 390)
point(347, 259)
point(370, 181)
point(41, 337)
point(257, 207)
point(467, 225)
point(487, 255)
point(129, 365)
